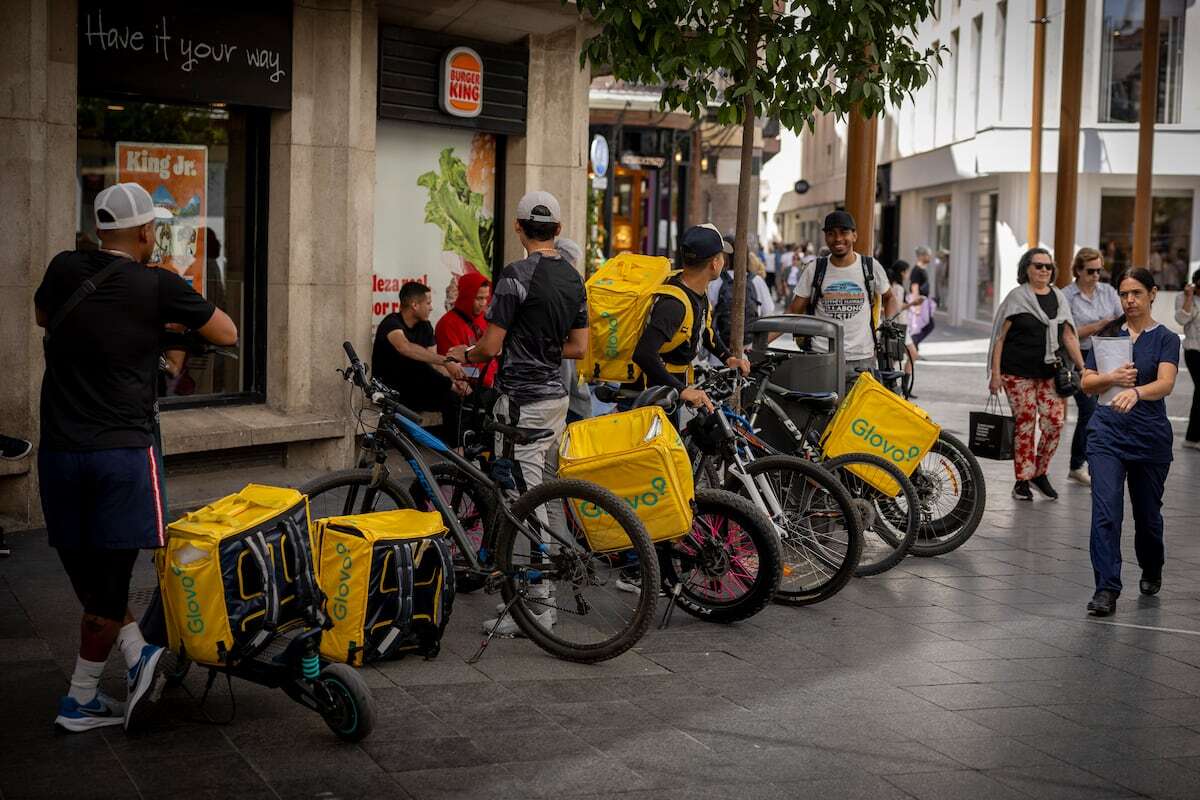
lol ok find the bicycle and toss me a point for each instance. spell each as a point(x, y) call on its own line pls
point(890, 520)
point(536, 554)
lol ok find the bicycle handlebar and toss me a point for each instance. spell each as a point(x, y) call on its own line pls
point(379, 393)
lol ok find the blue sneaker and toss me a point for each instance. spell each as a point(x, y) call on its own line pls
point(101, 712)
point(142, 676)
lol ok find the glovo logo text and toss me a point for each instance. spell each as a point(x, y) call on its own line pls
point(342, 595)
point(897, 453)
point(611, 343)
point(195, 619)
point(649, 499)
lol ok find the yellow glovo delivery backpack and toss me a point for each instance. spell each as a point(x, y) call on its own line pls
point(235, 573)
point(389, 580)
point(620, 295)
point(639, 456)
point(877, 421)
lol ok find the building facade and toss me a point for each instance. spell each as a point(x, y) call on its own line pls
point(954, 161)
point(313, 155)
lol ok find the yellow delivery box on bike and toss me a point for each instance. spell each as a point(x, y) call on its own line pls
point(874, 420)
point(236, 572)
point(389, 582)
point(638, 456)
point(620, 296)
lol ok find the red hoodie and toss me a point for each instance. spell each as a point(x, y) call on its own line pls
point(459, 324)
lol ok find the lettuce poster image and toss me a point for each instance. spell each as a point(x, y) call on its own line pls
point(434, 214)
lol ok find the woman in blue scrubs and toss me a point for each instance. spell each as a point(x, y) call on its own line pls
point(1129, 442)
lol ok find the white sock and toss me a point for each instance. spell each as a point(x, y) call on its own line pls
point(85, 680)
point(131, 642)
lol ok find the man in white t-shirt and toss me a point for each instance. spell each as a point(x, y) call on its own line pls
point(842, 292)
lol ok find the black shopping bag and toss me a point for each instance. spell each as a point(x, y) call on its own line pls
point(992, 432)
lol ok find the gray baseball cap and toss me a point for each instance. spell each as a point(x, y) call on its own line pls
point(539, 207)
point(123, 205)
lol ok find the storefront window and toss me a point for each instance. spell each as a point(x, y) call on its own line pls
point(1121, 61)
point(204, 166)
point(985, 257)
point(1170, 237)
point(941, 252)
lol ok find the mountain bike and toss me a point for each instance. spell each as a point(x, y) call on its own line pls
point(536, 555)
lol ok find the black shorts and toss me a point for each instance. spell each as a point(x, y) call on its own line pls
point(100, 579)
point(103, 499)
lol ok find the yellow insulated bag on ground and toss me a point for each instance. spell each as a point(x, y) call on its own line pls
point(620, 295)
point(638, 456)
point(877, 421)
point(389, 580)
point(236, 572)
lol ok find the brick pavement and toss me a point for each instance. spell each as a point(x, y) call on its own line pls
point(972, 675)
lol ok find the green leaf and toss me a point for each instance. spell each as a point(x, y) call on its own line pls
point(636, 16)
point(458, 211)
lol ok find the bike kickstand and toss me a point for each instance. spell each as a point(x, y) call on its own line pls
point(492, 633)
point(674, 595)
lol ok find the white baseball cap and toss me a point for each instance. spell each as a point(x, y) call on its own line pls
point(123, 205)
point(539, 207)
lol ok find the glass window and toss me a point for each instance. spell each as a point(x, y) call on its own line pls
point(941, 253)
point(1121, 61)
point(1170, 237)
point(202, 165)
point(1001, 40)
point(985, 257)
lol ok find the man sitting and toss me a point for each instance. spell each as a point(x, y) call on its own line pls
point(405, 358)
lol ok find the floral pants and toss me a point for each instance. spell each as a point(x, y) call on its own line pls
point(1034, 404)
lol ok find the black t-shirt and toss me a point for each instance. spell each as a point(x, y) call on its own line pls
point(1024, 352)
point(420, 386)
point(665, 319)
point(101, 365)
point(538, 300)
point(920, 277)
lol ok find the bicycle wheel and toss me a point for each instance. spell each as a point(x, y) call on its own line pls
point(820, 536)
point(952, 493)
point(475, 508)
point(350, 491)
point(728, 565)
point(889, 522)
point(591, 617)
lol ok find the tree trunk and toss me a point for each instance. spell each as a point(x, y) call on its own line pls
point(741, 244)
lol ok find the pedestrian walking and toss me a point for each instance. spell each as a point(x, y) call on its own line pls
point(1129, 443)
point(920, 322)
point(99, 473)
point(536, 318)
point(1187, 314)
point(1032, 331)
point(1094, 306)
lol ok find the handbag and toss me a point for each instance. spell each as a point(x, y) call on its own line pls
point(1066, 376)
point(992, 432)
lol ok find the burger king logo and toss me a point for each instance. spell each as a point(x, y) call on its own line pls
point(462, 83)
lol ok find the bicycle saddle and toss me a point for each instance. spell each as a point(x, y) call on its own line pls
point(520, 435)
point(664, 397)
point(814, 401)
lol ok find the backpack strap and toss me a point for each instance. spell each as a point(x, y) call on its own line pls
point(85, 289)
point(868, 268)
point(686, 329)
point(818, 283)
point(465, 317)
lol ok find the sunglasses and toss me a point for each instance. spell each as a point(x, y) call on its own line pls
point(1047, 267)
point(1093, 271)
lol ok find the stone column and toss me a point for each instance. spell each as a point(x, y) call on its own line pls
point(552, 155)
point(322, 216)
point(37, 209)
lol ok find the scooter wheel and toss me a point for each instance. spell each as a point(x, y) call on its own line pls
point(350, 712)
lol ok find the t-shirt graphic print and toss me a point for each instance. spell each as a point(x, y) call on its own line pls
point(842, 300)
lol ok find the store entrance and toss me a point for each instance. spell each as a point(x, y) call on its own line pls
point(633, 196)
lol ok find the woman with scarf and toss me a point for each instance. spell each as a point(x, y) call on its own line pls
point(464, 324)
point(1032, 327)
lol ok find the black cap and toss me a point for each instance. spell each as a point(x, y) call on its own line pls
point(839, 219)
point(702, 241)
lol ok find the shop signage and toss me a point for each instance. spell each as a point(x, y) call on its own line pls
point(632, 160)
point(214, 52)
point(462, 83)
point(801, 186)
point(599, 155)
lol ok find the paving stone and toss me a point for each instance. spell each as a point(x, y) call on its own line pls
point(1158, 778)
point(955, 697)
point(1059, 782)
point(991, 752)
point(955, 786)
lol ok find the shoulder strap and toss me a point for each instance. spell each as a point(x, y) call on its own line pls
point(685, 330)
point(868, 268)
point(85, 289)
point(818, 279)
point(475, 329)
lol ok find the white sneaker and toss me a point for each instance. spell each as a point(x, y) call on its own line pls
point(508, 626)
point(1080, 476)
point(631, 585)
point(1191, 445)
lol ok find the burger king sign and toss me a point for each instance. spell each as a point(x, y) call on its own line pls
point(462, 83)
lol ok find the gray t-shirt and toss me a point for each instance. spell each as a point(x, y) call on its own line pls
point(538, 300)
